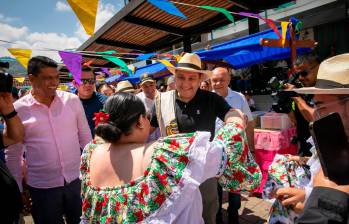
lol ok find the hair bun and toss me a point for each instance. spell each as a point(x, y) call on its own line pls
point(108, 132)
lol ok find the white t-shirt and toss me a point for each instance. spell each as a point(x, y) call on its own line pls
point(237, 101)
point(148, 103)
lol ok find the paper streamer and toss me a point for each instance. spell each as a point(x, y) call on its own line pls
point(166, 63)
point(168, 7)
point(22, 55)
point(118, 62)
point(86, 11)
point(73, 63)
point(20, 79)
point(272, 25)
point(145, 56)
point(284, 26)
point(221, 10)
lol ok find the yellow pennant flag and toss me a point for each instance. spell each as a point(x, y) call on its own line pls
point(284, 26)
point(20, 79)
point(166, 63)
point(178, 57)
point(86, 11)
point(63, 87)
point(22, 55)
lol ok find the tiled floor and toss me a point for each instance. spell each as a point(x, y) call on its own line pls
point(253, 211)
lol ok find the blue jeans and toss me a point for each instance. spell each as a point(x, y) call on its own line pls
point(50, 205)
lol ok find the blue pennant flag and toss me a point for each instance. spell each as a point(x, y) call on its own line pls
point(168, 7)
point(145, 56)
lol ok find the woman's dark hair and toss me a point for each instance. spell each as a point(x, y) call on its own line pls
point(124, 110)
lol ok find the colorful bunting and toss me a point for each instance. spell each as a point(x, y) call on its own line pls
point(106, 52)
point(118, 62)
point(106, 71)
point(248, 14)
point(272, 25)
point(284, 26)
point(166, 63)
point(221, 10)
point(168, 7)
point(145, 56)
point(73, 63)
point(63, 87)
point(296, 23)
point(89, 63)
point(178, 57)
point(20, 79)
point(86, 11)
point(22, 55)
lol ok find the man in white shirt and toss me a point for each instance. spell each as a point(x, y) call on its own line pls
point(220, 80)
point(148, 86)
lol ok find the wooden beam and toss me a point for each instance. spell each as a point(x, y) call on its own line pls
point(120, 44)
point(241, 4)
point(166, 41)
point(155, 25)
point(278, 43)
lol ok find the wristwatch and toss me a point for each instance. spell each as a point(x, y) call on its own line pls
point(10, 115)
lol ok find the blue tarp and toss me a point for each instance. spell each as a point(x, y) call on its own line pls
point(241, 52)
point(247, 51)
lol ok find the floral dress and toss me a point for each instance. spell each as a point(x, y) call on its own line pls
point(168, 192)
point(284, 173)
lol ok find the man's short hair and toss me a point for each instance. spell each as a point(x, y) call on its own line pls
point(37, 63)
point(309, 58)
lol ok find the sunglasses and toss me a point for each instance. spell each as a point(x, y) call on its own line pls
point(88, 81)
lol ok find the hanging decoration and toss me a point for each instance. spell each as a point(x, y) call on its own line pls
point(284, 26)
point(221, 10)
point(86, 11)
point(20, 79)
point(73, 63)
point(22, 55)
point(145, 56)
point(168, 7)
point(166, 63)
point(118, 62)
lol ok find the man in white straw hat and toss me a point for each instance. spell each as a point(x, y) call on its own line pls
point(188, 109)
point(331, 94)
point(125, 86)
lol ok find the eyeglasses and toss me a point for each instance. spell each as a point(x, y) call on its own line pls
point(305, 72)
point(88, 81)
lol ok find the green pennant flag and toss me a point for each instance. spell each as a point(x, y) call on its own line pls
point(118, 62)
point(221, 10)
point(106, 52)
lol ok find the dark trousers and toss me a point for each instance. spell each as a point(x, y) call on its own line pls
point(234, 200)
point(50, 205)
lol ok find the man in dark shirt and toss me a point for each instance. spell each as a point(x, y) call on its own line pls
point(303, 113)
point(91, 100)
point(196, 110)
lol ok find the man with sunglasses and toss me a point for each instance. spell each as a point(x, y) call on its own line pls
point(306, 66)
point(91, 100)
point(325, 201)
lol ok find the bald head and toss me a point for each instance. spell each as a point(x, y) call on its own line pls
point(220, 80)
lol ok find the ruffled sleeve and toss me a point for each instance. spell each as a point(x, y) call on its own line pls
point(238, 170)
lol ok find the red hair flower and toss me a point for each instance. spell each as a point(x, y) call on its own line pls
point(100, 118)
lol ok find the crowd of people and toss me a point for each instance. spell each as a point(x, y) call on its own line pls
point(106, 154)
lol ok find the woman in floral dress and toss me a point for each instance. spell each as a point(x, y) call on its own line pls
point(125, 180)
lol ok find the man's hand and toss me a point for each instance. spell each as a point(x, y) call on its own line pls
point(288, 86)
point(6, 103)
point(321, 181)
point(299, 159)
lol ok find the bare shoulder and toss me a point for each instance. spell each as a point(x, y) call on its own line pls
point(147, 153)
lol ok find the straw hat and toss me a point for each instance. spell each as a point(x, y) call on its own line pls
point(190, 62)
point(332, 77)
point(125, 86)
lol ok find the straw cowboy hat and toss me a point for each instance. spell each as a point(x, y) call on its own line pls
point(332, 77)
point(125, 86)
point(190, 62)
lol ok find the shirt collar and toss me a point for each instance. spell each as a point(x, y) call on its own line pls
point(31, 100)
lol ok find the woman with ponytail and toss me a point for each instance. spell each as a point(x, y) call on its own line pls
point(125, 180)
